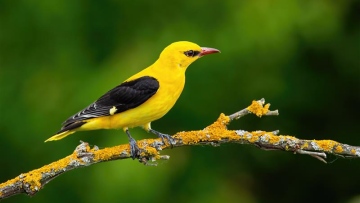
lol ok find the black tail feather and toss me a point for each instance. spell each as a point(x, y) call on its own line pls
point(71, 126)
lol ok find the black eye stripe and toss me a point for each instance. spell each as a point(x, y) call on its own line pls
point(191, 53)
point(196, 53)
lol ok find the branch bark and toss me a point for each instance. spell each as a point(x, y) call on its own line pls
point(215, 134)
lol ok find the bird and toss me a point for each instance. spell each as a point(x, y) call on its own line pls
point(142, 98)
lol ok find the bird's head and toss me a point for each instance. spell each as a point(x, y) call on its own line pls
point(183, 53)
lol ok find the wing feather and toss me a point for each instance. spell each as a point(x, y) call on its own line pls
point(125, 96)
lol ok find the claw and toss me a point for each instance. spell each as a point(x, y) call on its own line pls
point(163, 136)
point(134, 149)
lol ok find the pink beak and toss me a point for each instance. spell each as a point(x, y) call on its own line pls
point(207, 50)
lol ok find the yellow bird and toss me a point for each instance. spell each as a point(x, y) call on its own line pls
point(142, 98)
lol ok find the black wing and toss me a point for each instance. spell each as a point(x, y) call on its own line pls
point(126, 96)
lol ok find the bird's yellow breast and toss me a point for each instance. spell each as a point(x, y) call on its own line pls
point(154, 108)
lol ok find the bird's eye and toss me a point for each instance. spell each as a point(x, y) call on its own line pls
point(191, 53)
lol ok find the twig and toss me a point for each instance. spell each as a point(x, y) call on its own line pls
point(215, 134)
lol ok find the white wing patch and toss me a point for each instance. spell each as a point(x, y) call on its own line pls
point(112, 110)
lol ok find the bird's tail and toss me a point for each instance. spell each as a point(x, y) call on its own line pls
point(66, 130)
point(61, 135)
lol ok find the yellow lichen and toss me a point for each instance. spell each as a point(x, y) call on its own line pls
point(150, 151)
point(223, 119)
point(305, 145)
point(9, 182)
point(339, 149)
point(326, 145)
point(33, 177)
point(270, 137)
point(255, 136)
point(116, 151)
point(192, 137)
point(214, 132)
point(218, 129)
point(257, 109)
point(253, 139)
point(108, 153)
point(273, 139)
point(353, 151)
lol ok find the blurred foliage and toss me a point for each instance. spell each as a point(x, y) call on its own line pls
point(303, 56)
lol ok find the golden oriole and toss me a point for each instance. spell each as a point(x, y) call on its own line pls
point(142, 98)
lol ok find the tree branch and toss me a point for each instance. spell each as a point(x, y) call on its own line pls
point(215, 134)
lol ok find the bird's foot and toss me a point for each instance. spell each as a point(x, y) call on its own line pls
point(163, 136)
point(134, 148)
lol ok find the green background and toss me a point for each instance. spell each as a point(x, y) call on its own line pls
point(303, 56)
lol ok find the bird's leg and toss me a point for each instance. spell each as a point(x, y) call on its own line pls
point(163, 136)
point(134, 149)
